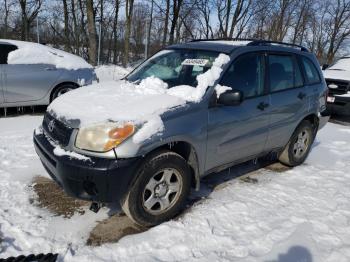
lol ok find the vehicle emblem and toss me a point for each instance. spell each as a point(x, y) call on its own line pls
point(333, 86)
point(51, 125)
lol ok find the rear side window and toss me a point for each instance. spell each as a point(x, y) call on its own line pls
point(284, 73)
point(4, 51)
point(311, 72)
point(246, 74)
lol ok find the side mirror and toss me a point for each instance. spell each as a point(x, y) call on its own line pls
point(231, 98)
point(325, 66)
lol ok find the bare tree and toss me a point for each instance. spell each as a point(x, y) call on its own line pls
point(166, 22)
point(338, 27)
point(176, 11)
point(129, 6)
point(29, 11)
point(92, 32)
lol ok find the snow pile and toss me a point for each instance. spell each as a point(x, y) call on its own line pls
point(59, 151)
point(111, 72)
point(230, 42)
point(342, 64)
point(32, 53)
point(339, 71)
point(122, 101)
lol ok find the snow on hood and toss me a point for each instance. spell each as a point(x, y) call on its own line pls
point(33, 53)
point(336, 74)
point(122, 101)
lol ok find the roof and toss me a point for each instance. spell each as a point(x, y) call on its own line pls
point(218, 46)
point(229, 45)
point(33, 53)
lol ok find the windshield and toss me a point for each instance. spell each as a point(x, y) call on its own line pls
point(175, 67)
point(342, 64)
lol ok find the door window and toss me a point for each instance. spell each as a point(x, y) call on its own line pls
point(284, 73)
point(311, 72)
point(246, 74)
point(4, 51)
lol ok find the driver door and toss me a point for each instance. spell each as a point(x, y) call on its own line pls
point(239, 132)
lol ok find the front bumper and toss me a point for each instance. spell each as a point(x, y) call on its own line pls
point(98, 179)
point(341, 106)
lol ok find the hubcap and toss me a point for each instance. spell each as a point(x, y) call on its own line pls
point(301, 144)
point(162, 191)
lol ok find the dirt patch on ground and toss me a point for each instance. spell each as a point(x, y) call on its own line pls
point(113, 229)
point(52, 197)
point(277, 167)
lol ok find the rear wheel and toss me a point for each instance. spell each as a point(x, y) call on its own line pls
point(160, 191)
point(61, 90)
point(299, 145)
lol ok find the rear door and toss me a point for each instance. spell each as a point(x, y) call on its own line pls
point(28, 82)
point(288, 97)
point(4, 50)
point(239, 132)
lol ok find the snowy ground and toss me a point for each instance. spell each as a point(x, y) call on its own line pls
point(302, 214)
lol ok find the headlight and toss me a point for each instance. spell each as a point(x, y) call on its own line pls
point(102, 138)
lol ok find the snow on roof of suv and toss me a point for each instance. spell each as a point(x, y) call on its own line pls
point(33, 53)
point(227, 46)
point(339, 70)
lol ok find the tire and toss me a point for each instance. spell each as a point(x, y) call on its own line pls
point(58, 91)
point(299, 145)
point(160, 190)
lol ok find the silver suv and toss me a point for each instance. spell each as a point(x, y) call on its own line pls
point(38, 74)
point(243, 99)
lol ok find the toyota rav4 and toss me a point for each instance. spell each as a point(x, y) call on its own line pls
point(190, 110)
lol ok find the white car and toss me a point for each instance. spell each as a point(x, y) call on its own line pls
point(35, 74)
point(338, 80)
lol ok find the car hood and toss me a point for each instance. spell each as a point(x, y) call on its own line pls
point(117, 101)
point(337, 74)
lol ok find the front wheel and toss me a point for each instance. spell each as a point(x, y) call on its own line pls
point(299, 145)
point(61, 90)
point(160, 190)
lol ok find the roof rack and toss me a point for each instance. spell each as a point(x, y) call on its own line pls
point(256, 42)
point(268, 42)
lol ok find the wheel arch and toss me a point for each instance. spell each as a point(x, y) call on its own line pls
point(60, 85)
point(188, 152)
point(313, 119)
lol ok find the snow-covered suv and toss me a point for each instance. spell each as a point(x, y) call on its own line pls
point(190, 110)
point(338, 80)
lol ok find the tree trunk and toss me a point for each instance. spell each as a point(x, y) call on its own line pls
point(149, 29)
point(115, 35)
point(66, 26)
point(176, 12)
point(166, 23)
point(75, 29)
point(129, 5)
point(92, 32)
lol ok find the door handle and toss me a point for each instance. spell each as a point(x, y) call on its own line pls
point(51, 69)
point(301, 95)
point(262, 106)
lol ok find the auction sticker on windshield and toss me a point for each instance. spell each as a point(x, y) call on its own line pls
point(195, 62)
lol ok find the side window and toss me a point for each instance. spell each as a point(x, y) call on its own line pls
point(4, 51)
point(284, 72)
point(246, 74)
point(311, 72)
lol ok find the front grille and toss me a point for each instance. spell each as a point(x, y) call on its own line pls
point(343, 87)
point(57, 130)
